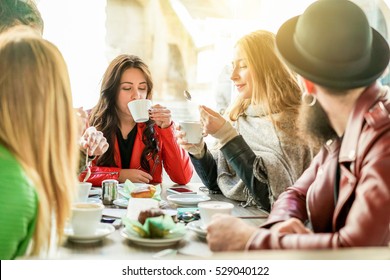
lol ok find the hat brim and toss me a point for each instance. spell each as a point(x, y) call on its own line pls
point(313, 72)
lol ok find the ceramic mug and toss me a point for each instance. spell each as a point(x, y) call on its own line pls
point(193, 130)
point(139, 109)
point(86, 218)
point(208, 209)
point(83, 189)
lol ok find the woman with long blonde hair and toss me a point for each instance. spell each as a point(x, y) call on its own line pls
point(38, 144)
point(258, 153)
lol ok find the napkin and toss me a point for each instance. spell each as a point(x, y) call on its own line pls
point(113, 212)
point(154, 227)
point(136, 205)
point(129, 186)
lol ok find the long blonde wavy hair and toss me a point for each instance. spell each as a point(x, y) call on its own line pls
point(275, 86)
point(38, 125)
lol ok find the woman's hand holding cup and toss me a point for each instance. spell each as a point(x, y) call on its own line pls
point(161, 115)
point(196, 149)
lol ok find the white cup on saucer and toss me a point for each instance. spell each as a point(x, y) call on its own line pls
point(83, 189)
point(86, 218)
point(208, 209)
point(139, 109)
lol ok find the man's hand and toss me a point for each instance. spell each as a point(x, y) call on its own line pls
point(292, 225)
point(227, 233)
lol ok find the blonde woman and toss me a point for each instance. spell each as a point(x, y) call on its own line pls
point(343, 198)
point(38, 144)
point(258, 153)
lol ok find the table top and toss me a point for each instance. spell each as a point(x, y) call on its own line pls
point(115, 246)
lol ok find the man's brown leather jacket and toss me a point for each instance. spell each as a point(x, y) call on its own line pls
point(361, 215)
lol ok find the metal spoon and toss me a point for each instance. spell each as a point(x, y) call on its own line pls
point(187, 95)
point(87, 163)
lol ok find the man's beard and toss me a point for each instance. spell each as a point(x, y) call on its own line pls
point(314, 125)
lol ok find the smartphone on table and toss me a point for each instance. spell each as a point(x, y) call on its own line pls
point(180, 190)
point(110, 220)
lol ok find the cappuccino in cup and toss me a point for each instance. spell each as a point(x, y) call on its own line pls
point(86, 218)
point(208, 209)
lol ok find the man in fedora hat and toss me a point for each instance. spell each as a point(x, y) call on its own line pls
point(343, 198)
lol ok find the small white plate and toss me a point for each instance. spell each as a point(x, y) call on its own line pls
point(187, 199)
point(151, 242)
point(121, 202)
point(197, 227)
point(94, 200)
point(95, 191)
point(121, 189)
point(102, 231)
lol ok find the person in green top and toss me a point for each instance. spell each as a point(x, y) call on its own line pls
point(18, 207)
point(38, 144)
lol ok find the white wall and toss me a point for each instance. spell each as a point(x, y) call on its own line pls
point(77, 28)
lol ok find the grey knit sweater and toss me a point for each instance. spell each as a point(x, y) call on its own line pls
point(281, 155)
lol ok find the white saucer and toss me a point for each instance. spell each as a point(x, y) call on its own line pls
point(121, 202)
point(187, 199)
point(94, 200)
point(198, 228)
point(151, 242)
point(95, 191)
point(102, 231)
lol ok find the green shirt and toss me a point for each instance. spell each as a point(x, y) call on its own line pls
point(18, 207)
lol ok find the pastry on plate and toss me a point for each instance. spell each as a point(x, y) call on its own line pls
point(143, 192)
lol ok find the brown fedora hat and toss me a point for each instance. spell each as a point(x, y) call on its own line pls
point(333, 45)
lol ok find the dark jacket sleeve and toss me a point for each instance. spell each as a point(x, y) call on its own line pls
point(241, 157)
point(206, 168)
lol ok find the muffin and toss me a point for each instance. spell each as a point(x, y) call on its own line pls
point(152, 212)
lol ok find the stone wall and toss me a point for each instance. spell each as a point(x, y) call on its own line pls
point(151, 30)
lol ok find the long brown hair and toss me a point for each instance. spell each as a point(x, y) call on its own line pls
point(275, 87)
point(38, 125)
point(104, 115)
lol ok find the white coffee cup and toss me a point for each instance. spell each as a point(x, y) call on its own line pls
point(86, 218)
point(193, 130)
point(207, 209)
point(83, 189)
point(139, 109)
